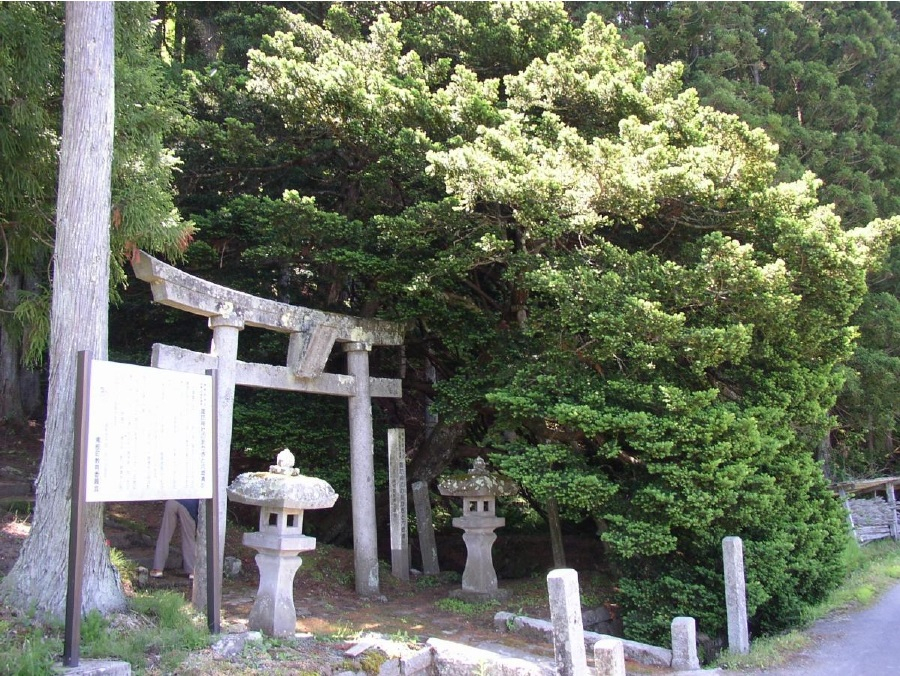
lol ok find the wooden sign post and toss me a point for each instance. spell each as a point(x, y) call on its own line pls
point(141, 433)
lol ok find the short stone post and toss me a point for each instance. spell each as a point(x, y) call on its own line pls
point(684, 644)
point(735, 595)
point(397, 491)
point(282, 495)
point(479, 490)
point(609, 657)
point(425, 526)
point(565, 614)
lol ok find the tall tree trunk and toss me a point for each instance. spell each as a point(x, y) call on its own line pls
point(78, 320)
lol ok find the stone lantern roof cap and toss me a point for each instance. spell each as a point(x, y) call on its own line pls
point(477, 482)
point(281, 491)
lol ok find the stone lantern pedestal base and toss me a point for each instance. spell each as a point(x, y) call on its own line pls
point(473, 596)
point(273, 612)
point(479, 580)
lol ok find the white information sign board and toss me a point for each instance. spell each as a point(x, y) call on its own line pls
point(150, 434)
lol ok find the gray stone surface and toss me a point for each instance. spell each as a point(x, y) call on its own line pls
point(312, 334)
point(282, 498)
point(542, 630)
point(420, 663)
point(684, 644)
point(565, 616)
point(231, 567)
point(456, 659)
point(279, 491)
point(609, 657)
point(399, 518)
point(362, 472)
point(95, 668)
point(735, 595)
point(425, 526)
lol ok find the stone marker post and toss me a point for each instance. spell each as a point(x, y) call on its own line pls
point(425, 526)
point(735, 595)
point(609, 657)
point(398, 502)
point(684, 644)
point(565, 614)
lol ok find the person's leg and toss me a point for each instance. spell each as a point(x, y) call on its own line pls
point(166, 529)
point(188, 539)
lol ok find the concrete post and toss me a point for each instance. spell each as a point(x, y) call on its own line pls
point(398, 501)
point(565, 614)
point(425, 526)
point(684, 644)
point(609, 657)
point(226, 331)
point(735, 595)
point(362, 472)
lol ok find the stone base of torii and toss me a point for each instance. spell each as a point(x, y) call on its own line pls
point(312, 336)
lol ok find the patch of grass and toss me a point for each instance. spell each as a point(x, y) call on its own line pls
point(25, 651)
point(465, 608)
point(765, 652)
point(170, 632)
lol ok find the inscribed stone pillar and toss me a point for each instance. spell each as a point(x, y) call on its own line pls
point(398, 502)
point(362, 472)
point(735, 595)
point(226, 330)
point(565, 614)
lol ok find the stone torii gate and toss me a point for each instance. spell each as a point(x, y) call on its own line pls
point(312, 336)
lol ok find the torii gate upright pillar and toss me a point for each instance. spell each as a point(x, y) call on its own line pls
point(362, 471)
point(224, 348)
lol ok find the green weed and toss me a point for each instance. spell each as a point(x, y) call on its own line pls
point(464, 608)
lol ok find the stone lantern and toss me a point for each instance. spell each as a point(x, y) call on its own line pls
point(282, 494)
point(479, 490)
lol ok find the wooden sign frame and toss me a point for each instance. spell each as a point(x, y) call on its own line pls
point(83, 392)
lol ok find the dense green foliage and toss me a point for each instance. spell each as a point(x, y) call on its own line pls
point(633, 303)
point(30, 109)
point(818, 78)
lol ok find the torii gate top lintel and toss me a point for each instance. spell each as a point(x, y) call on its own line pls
point(313, 332)
point(175, 288)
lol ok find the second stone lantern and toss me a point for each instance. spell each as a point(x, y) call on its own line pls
point(282, 494)
point(479, 490)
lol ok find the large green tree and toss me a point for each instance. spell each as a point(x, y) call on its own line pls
point(622, 302)
point(818, 78)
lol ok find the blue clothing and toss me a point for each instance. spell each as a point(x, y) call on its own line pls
point(192, 506)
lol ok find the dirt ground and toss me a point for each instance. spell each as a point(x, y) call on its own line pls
point(324, 594)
